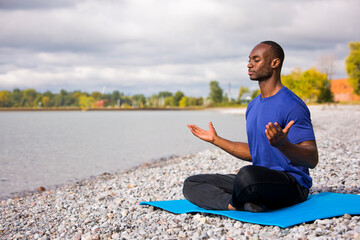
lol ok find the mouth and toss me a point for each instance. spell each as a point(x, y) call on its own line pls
point(250, 72)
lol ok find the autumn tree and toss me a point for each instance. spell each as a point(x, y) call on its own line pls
point(307, 85)
point(5, 99)
point(86, 101)
point(353, 66)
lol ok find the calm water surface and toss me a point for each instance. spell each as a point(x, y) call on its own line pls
point(52, 148)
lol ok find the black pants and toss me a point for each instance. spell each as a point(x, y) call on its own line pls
point(259, 185)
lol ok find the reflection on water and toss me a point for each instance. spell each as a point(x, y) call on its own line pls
point(51, 148)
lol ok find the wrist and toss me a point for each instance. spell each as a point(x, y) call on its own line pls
point(216, 140)
point(284, 145)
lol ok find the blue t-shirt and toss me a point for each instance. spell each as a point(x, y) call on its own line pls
point(283, 107)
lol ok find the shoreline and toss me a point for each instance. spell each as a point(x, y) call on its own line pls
point(30, 109)
point(240, 109)
point(106, 206)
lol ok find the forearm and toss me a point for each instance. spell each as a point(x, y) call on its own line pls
point(237, 149)
point(304, 154)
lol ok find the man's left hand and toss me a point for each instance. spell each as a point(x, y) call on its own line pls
point(276, 135)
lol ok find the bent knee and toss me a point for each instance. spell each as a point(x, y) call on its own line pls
point(188, 185)
point(247, 176)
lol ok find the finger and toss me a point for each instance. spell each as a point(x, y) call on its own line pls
point(194, 129)
point(288, 126)
point(278, 127)
point(268, 136)
point(271, 130)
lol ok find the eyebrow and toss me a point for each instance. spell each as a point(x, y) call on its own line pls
point(255, 56)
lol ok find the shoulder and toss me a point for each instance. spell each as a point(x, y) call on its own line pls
point(291, 101)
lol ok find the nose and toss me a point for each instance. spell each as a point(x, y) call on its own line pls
point(250, 65)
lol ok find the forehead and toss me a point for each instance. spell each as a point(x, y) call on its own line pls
point(260, 50)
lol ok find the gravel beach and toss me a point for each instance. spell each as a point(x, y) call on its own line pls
point(107, 206)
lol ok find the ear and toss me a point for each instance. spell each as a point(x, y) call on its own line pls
point(275, 63)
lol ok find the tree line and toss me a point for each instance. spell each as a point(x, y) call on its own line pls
point(311, 85)
point(33, 99)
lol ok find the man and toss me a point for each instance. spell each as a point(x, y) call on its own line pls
point(281, 146)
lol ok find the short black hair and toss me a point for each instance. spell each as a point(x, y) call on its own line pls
point(276, 50)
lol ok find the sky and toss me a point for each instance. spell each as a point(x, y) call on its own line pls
point(148, 46)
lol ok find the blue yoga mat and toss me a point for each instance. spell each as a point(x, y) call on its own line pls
point(319, 206)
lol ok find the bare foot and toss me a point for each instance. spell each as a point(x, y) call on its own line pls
point(231, 207)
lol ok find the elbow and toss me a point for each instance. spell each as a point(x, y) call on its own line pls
point(314, 162)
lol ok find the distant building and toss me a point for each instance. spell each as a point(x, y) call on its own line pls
point(99, 104)
point(342, 91)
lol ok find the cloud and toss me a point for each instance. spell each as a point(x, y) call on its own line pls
point(146, 46)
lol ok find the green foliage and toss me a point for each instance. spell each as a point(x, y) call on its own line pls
point(169, 102)
point(177, 97)
point(46, 101)
point(184, 102)
point(16, 97)
point(5, 99)
point(85, 101)
point(308, 85)
point(28, 99)
point(196, 101)
point(139, 100)
point(325, 95)
point(96, 96)
point(216, 93)
point(165, 94)
point(255, 93)
point(353, 66)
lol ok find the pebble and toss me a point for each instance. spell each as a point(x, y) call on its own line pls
point(107, 206)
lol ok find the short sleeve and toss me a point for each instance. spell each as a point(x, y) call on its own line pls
point(302, 129)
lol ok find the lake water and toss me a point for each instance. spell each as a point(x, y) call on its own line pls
point(52, 148)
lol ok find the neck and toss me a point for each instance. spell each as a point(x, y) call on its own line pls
point(270, 87)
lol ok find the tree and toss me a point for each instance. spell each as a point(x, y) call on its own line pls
point(177, 97)
point(5, 99)
point(216, 93)
point(29, 97)
point(184, 102)
point(115, 98)
point(192, 101)
point(76, 98)
point(308, 85)
point(353, 66)
point(16, 97)
point(96, 95)
point(139, 100)
point(255, 93)
point(165, 94)
point(169, 101)
point(326, 65)
point(85, 101)
point(46, 101)
point(242, 91)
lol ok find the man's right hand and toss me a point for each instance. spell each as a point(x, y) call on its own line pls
point(237, 149)
point(208, 136)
